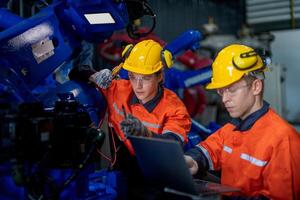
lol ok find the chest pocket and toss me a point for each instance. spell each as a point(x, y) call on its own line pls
point(253, 169)
point(226, 154)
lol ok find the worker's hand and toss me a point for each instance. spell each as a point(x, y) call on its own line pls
point(192, 164)
point(133, 126)
point(102, 78)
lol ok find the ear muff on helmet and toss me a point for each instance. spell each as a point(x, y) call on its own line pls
point(127, 50)
point(166, 58)
point(245, 61)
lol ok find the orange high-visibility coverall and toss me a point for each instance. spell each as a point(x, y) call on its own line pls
point(264, 160)
point(169, 116)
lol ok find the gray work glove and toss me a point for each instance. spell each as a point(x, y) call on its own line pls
point(133, 126)
point(102, 78)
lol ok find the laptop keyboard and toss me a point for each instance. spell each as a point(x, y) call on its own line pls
point(207, 188)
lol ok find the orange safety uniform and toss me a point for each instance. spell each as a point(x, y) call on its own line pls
point(167, 116)
point(259, 155)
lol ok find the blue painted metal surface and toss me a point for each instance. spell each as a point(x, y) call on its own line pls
point(30, 50)
point(8, 19)
point(33, 48)
point(188, 40)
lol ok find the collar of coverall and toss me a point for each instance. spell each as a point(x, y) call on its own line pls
point(150, 105)
point(246, 124)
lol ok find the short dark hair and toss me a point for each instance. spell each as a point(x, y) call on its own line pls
point(250, 78)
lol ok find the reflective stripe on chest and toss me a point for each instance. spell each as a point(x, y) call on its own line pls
point(244, 156)
point(253, 160)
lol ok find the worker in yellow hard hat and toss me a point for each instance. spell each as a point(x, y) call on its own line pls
point(141, 106)
point(234, 62)
point(257, 151)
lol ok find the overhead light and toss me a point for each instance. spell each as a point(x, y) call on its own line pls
point(99, 18)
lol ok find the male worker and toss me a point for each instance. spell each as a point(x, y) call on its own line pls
point(257, 151)
point(141, 106)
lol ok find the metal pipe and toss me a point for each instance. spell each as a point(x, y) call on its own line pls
point(293, 20)
point(9, 4)
point(21, 8)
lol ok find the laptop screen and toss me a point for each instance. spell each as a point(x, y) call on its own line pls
point(162, 162)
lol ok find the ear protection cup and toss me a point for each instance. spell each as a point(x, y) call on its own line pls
point(245, 61)
point(127, 50)
point(166, 58)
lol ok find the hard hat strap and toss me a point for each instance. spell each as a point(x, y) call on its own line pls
point(259, 74)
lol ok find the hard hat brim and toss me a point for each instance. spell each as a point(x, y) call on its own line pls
point(213, 85)
point(140, 70)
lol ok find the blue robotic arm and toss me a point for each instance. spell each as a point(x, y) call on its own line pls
point(34, 47)
point(30, 50)
point(174, 78)
point(188, 40)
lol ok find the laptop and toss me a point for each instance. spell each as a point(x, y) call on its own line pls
point(162, 162)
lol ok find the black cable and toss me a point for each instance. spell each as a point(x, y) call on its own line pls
point(39, 179)
point(79, 168)
point(98, 139)
point(147, 11)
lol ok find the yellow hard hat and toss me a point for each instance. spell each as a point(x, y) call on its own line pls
point(146, 57)
point(232, 63)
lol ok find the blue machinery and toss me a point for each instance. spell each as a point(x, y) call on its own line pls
point(36, 145)
point(45, 161)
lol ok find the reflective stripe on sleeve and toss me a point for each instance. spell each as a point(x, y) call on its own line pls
point(227, 149)
point(252, 160)
point(118, 110)
point(210, 163)
point(151, 124)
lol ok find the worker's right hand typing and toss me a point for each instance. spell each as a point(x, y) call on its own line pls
point(192, 164)
point(102, 78)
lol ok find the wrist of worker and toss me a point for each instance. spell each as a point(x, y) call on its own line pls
point(147, 132)
point(200, 159)
point(196, 155)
